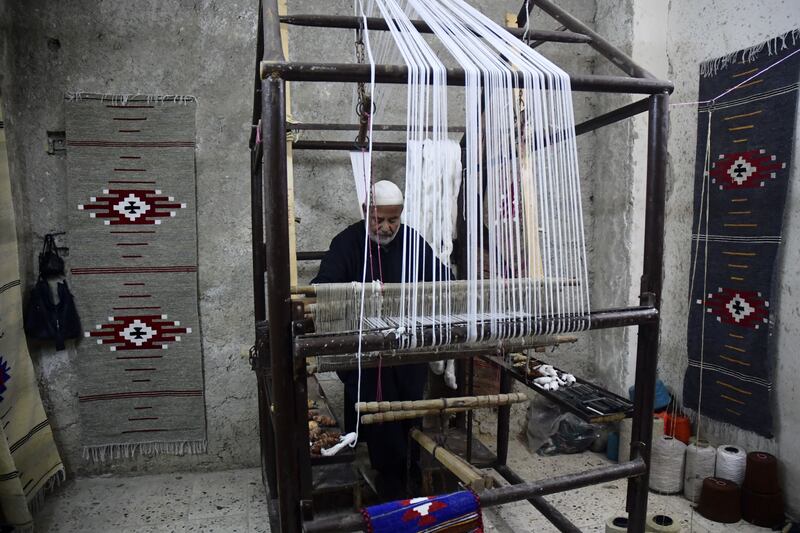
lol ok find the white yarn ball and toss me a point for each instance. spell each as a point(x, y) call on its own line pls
point(731, 463)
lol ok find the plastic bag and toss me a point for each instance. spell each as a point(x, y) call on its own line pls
point(552, 431)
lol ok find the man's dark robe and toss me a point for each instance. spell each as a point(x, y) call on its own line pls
point(344, 262)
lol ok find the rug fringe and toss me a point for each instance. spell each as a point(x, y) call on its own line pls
point(718, 433)
point(776, 44)
point(108, 452)
point(36, 501)
point(123, 99)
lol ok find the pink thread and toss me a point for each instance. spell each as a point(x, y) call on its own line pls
point(258, 132)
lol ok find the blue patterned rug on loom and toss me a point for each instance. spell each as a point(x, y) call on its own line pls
point(742, 173)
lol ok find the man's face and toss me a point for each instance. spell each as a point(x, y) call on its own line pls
point(384, 222)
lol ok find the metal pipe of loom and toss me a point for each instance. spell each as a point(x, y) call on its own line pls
point(651, 285)
point(345, 343)
point(501, 495)
point(398, 74)
point(349, 146)
point(598, 42)
point(379, 24)
point(331, 363)
point(324, 126)
point(555, 517)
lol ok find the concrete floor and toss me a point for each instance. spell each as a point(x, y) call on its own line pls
point(233, 502)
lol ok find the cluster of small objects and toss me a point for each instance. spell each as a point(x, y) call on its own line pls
point(550, 379)
point(320, 438)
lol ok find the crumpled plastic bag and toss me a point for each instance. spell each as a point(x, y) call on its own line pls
point(553, 431)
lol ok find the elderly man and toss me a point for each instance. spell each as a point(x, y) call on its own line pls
point(344, 262)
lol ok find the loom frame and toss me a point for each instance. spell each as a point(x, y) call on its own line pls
point(280, 369)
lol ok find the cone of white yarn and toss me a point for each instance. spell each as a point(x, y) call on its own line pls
point(731, 463)
point(666, 465)
point(700, 462)
point(625, 428)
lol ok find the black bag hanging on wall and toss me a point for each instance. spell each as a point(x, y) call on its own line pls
point(46, 318)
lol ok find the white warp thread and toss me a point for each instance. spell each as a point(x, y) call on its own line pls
point(700, 462)
point(731, 463)
point(666, 465)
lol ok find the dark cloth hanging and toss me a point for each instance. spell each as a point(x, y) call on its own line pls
point(344, 262)
point(47, 320)
point(44, 318)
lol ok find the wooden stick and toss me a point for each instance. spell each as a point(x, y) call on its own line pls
point(468, 474)
point(469, 402)
point(394, 416)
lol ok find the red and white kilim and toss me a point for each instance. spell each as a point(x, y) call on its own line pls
point(142, 332)
point(747, 309)
point(748, 169)
point(131, 206)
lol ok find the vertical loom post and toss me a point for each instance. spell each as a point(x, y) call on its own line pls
point(503, 417)
point(261, 362)
point(278, 302)
point(652, 276)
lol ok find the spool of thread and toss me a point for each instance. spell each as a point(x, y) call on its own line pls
point(761, 473)
point(731, 463)
point(666, 465)
point(617, 524)
point(679, 427)
point(765, 510)
point(720, 500)
point(612, 448)
point(661, 523)
point(625, 429)
point(700, 461)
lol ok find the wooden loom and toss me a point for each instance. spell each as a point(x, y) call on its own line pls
point(284, 339)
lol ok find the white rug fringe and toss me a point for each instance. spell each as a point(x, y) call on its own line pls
point(718, 433)
point(108, 452)
point(776, 44)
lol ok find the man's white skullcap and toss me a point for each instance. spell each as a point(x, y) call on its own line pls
point(387, 193)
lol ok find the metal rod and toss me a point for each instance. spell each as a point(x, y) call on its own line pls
point(605, 48)
point(652, 278)
point(503, 419)
point(278, 302)
point(561, 522)
point(502, 495)
point(310, 256)
point(470, 391)
point(404, 357)
point(355, 72)
point(318, 126)
point(350, 146)
point(612, 116)
point(377, 23)
point(377, 342)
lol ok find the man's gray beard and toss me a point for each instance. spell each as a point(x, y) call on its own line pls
point(383, 241)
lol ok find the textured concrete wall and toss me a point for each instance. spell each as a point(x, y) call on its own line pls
point(204, 48)
point(698, 31)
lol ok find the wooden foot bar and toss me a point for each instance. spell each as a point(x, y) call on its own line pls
point(394, 416)
point(469, 402)
point(468, 474)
